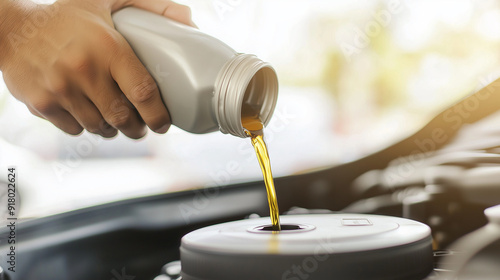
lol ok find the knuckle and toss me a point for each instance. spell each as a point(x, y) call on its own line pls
point(108, 131)
point(46, 107)
point(80, 65)
point(74, 60)
point(110, 39)
point(144, 91)
point(60, 88)
point(120, 119)
point(93, 128)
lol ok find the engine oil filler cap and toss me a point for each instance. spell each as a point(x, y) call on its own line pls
point(313, 247)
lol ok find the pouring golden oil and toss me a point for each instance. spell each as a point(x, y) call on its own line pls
point(254, 129)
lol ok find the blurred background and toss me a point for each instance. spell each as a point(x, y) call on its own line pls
point(355, 76)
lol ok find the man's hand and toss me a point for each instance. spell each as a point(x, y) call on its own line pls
point(69, 65)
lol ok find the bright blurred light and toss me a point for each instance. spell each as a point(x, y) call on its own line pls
point(488, 25)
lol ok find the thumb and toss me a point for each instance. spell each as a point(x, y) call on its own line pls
point(167, 8)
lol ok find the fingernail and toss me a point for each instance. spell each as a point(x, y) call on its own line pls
point(163, 129)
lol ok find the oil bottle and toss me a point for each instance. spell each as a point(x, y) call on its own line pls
point(203, 82)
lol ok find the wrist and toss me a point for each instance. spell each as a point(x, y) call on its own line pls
point(12, 13)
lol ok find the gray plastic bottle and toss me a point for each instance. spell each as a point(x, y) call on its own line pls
point(203, 82)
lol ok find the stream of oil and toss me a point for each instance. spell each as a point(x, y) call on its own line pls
point(254, 129)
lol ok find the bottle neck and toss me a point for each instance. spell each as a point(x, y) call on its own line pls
point(244, 82)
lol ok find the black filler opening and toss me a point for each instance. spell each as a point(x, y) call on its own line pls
point(283, 227)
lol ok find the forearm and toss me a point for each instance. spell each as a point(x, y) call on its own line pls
point(12, 13)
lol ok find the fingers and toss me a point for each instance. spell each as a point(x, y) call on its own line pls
point(170, 9)
point(100, 107)
point(73, 118)
point(58, 116)
point(88, 92)
point(68, 95)
point(117, 111)
point(178, 12)
point(167, 8)
point(88, 116)
point(140, 89)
